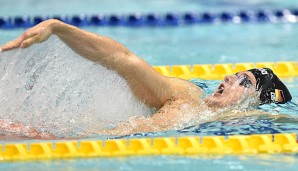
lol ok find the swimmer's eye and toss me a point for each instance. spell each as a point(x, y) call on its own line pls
point(244, 81)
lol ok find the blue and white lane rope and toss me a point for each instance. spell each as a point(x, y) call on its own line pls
point(155, 19)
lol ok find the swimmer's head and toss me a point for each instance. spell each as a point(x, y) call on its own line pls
point(260, 84)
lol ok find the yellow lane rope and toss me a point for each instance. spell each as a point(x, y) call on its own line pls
point(190, 145)
point(218, 71)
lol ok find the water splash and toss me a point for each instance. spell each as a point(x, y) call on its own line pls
point(51, 88)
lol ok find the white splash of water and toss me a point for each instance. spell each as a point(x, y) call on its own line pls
point(51, 88)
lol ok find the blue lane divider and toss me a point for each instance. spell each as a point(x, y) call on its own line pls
point(154, 19)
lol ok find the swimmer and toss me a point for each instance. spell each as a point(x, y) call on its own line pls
point(171, 97)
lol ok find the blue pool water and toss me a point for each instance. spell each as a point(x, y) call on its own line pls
point(201, 44)
point(56, 7)
point(195, 44)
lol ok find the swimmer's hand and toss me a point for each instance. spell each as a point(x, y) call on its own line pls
point(36, 34)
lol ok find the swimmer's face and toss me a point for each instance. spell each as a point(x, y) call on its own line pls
point(232, 90)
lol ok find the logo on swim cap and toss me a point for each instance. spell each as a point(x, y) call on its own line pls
point(273, 96)
point(270, 87)
point(279, 96)
point(263, 71)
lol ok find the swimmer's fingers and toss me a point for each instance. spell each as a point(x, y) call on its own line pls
point(12, 44)
point(37, 34)
point(28, 42)
point(18, 42)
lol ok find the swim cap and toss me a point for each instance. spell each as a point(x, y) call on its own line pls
point(271, 89)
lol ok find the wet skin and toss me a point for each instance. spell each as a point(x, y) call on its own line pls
point(232, 89)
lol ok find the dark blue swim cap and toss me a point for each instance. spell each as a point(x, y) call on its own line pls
point(270, 87)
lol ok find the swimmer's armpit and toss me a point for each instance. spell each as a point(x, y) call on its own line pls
point(20, 129)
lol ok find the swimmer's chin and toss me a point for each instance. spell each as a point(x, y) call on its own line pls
point(215, 104)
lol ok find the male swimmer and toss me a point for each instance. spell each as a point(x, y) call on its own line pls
point(170, 96)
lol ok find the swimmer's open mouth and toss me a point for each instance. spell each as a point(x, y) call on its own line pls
point(220, 88)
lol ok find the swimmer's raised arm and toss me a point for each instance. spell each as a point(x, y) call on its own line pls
point(147, 84)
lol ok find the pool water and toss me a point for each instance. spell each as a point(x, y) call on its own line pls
point(202, 44)
point(193, 44)
point(262, 162)
point(74, 7)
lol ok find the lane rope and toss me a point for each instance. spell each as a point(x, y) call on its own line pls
point(190, 145)
point(158, 19)
point(283, 69)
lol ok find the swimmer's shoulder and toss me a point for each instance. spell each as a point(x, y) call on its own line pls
point(186, 90)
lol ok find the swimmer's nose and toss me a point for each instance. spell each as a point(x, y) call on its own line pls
point(229, 79)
